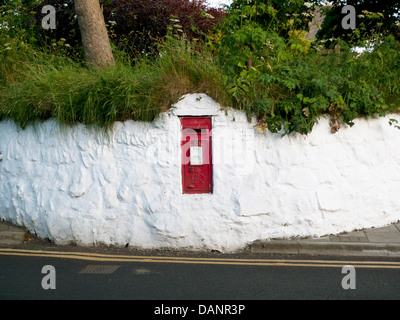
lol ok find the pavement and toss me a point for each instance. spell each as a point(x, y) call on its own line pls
point(373, 242)
point(11, 235)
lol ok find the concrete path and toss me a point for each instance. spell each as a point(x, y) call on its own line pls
point(380, 242)
point(10, 234)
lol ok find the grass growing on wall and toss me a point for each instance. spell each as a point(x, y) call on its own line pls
point(71, 92)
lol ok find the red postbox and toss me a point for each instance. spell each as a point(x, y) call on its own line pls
point(196, 155)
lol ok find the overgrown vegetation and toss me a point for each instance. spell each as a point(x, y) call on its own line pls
point(374, 20)
point(256, 58)
point(70, 92)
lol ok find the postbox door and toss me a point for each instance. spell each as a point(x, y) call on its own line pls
point(196, 155)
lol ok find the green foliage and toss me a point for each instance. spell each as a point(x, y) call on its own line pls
point(16, 39)
point(271, 15)
point(284, 80)
point(292, 93)
point(134, 26)
point(375, 19)
point(69, 91)
point(258, 60)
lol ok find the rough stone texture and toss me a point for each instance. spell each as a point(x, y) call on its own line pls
point(75, 184)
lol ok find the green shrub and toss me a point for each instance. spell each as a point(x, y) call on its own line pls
point(135, 26)
point(288, 84)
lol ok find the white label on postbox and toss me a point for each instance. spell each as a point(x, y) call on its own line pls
point(196, 156)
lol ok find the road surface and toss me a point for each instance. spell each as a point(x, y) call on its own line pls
point(39, 275)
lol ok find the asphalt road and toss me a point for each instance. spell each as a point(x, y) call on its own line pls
point(91, 276)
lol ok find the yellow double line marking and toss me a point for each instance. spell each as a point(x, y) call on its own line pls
point(190, 260)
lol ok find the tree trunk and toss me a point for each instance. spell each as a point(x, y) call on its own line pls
point(95, 39)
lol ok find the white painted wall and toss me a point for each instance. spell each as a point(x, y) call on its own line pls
point(74, 184)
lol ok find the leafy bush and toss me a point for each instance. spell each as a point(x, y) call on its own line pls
point(284, 80)
point(135, 26)
point(141, 24)
point(374, 20)
point(16, 39)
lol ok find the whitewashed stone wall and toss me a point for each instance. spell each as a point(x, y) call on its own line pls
point(75, 184)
